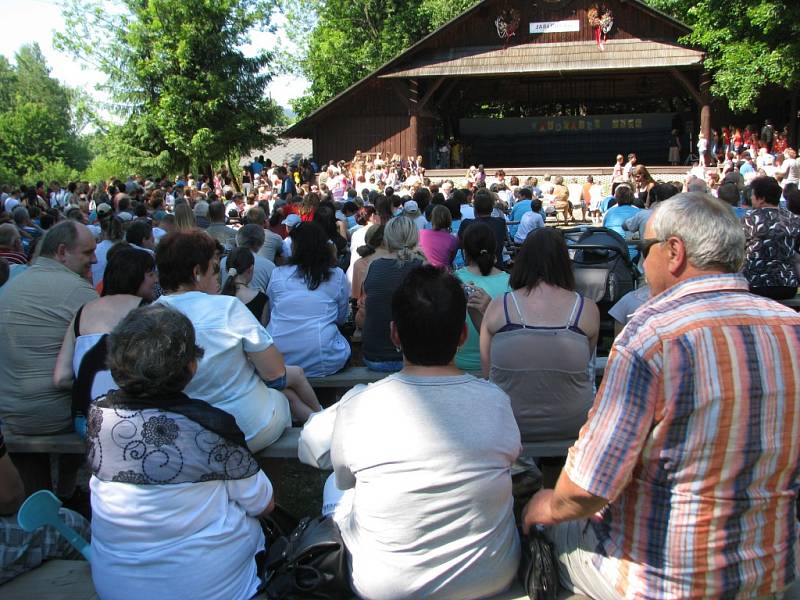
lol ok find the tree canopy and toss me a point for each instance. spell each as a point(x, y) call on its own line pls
point(342, 41)
point(40, 123)
point(750, 45)
point(178, 77)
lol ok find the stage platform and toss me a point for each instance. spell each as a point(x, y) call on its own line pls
point(566, 171)
point(572, 175)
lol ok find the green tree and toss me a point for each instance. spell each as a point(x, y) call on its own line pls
point(750, 45)
point(342, 41)
point(37, 120)
point(177, 76)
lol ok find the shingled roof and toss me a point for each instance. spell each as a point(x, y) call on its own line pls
point(495, 60)
point(548, 58)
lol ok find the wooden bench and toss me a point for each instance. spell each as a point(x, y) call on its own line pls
point(286, 446)
point(72, 580)
point(352, 376)
point(792, 302)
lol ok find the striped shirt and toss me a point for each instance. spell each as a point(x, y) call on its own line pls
point(693, 438)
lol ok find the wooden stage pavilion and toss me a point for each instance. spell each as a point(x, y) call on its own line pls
point(527, 82)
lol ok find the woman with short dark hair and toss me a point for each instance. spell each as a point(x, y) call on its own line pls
point(308, 299)
point(175, 491)
point(425, 458)
point(129, 282)
point(771, 242)
point(538, 340)
point(242, 371)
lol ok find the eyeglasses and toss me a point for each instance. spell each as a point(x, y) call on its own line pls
point(646, 244)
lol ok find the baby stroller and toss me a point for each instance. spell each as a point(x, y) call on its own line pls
point(602, 265)
point(604, 271)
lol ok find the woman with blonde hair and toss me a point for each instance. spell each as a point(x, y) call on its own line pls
point(184, 218)
point(309, 206)
point(384, 276)
point(643, 181)
point(790, 169)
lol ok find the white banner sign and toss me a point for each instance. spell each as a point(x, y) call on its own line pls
point(556, 26)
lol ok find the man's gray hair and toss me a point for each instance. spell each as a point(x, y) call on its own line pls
point(250, 236)
point(710, 231)
point(20, 215)
point(8, 235)
point(695, 184)
point(66, 232)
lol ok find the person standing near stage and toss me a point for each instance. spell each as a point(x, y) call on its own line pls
point(674, 148)
point(618, 176)
point(627, 170)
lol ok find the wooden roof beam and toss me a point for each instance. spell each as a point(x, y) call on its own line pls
point(688, 86)
point(402, 92)
point(447, 91)
point(435, 85)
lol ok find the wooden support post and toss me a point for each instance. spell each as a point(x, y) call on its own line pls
point(702, 97)
point(793, 108)
point(413, 117)
point(705, 110)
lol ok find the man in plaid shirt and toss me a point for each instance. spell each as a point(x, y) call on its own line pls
point(21, 551)
point(682, 483)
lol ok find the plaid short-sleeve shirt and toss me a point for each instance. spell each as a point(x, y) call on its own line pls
point(693, 438)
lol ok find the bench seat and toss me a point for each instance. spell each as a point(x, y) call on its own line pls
point(352, 376)
point(285, 447)
point(72, 580)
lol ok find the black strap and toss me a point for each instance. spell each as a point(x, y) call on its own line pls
point(92, 363)
point(76, 323)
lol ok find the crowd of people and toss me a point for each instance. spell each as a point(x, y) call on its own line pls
point(173, 324)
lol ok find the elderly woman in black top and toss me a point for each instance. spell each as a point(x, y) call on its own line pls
point(771, 239)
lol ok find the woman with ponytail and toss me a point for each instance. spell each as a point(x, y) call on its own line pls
point(480, 272)
point(384, 276)
point(240, 263)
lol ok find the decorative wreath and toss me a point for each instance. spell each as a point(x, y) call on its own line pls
point(606, 21)
point(507, 23)
point(602, 20)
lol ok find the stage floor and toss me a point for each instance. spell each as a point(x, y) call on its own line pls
point(565, 171)
point(572, 175)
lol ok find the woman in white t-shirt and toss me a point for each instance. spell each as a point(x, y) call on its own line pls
point(241, 372)
point(790, 169)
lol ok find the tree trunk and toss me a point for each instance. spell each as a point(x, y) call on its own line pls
point(234, 175)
